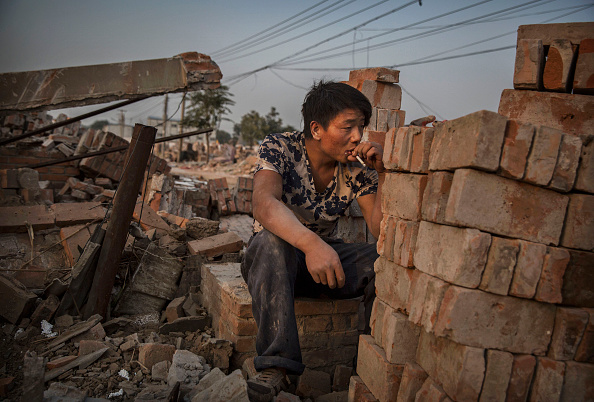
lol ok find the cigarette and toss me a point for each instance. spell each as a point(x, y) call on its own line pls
point(359, 159)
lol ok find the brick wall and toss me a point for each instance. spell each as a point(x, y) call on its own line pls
point(486, 275)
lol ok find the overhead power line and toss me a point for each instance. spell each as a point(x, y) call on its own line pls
point(239, 77)
point(267, 29)
point(416, 36)
point(309, 32)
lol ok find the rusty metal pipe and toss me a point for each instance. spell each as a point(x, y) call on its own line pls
point(119, 222)
point(68, 121)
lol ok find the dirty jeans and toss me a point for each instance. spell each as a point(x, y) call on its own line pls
point(276, 273)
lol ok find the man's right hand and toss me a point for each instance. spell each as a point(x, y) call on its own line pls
point(324, 265)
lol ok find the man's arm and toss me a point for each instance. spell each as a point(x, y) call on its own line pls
point(322, 261)
point(371, 204)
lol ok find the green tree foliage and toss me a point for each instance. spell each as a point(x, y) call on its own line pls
point(208, 106)
point(254, 127)
point(223, 137)
point(99, 124)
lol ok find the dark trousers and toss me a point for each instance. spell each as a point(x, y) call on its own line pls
point(276, 273)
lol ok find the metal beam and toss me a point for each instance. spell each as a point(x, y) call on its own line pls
point(87, 85)
point(114, 149)
point(119, 222)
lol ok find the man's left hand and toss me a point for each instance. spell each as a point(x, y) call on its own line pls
point(371, 153)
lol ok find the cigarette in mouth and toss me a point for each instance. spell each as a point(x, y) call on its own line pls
point(359, 159)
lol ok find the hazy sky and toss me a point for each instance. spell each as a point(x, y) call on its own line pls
point(333, 37)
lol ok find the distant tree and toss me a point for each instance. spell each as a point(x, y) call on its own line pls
point(208, 107)
point(223, 137)
point(254, 127)
point(99, 124)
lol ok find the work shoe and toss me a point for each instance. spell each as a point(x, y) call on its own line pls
point(266, 385)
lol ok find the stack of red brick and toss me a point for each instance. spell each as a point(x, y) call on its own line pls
point(31, 151)
point(327, 328)
point(486, 269)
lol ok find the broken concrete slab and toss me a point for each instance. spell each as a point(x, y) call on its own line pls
point(66, 87)
point(16, 301)
point(212, 246)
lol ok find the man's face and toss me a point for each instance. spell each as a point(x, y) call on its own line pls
point(342, 135)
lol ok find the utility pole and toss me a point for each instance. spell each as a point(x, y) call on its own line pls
point(181, 128)
point(162, 146)
point(122, 123)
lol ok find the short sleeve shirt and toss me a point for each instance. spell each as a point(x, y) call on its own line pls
point(319, 211)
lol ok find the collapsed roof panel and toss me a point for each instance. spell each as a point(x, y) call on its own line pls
point(86, 85)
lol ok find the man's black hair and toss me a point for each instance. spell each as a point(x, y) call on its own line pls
point(326, 99)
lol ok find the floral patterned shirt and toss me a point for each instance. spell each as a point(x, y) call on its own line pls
point(286, 154)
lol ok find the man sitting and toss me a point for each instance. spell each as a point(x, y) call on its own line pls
point(304, 182)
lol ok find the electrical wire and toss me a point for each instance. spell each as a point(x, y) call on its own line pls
point(236, 44)
point(413, 36)
point(240, 77)
point(296, 25)
point(424, 107)
point(309, 32)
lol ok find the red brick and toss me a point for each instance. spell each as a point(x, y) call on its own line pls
point(431, 392)
point(400, 337)
point(385, 241)
point(550, 109)
point(14, 218)
point(512, 209)
point(421, 149)
point(476, 318)
point(381, 377)
point(516, 147)
point(578, 231)
point(453, 254)
point(9, 178)
point(150, 219)
point(151, 353)
point(405, 239)
point(60, 362)
point(520, 378)
point(459, 369)
point(434, 295)
point(381, 94)
point(583, 79)
point(403, 195)
point(216, 245)
point(500, 265)
point(585, 173)
point(543, 156)
point(497, 375)
point(417, 294)
point(551, 279)
point(530, 57)
point(559, 66)
point(474, 140)
point(436, 196)
point(68, 214)
point(585, 350)
point(579, 382)
point(358, 391)
point(374, 74)
point(305, 306)
point(548, 380)
point(578, 279)
point(570, 325)
point(528, 269)
point(413, 378)
point(393, 283)
point(567, 163)
point(398, 148)
point(388, 119)
point(376, 321)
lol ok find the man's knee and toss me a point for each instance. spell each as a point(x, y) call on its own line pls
point(266, 251)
